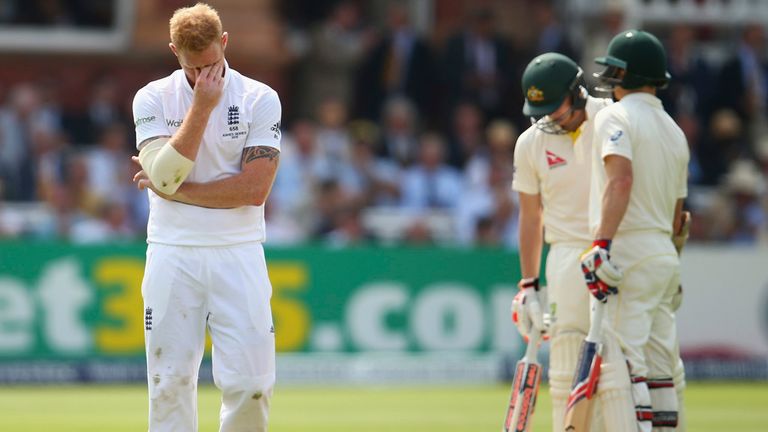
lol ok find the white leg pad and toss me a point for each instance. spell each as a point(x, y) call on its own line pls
point(664, 402)
point(643, 408)
point(615, 404)
point(563, 355)
point(679, 380)
point(618, 410)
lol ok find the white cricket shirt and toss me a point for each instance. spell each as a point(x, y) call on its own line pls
point(247, 115)
point(558, 168)
point(638, 128)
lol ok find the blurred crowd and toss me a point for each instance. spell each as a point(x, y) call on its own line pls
point(393, 137)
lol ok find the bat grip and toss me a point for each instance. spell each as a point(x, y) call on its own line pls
point(532, 350)
point(596, 321)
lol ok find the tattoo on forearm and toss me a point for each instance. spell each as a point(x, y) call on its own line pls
point(260, 152)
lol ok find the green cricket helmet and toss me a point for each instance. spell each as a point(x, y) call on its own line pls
point(642, 58)
point(547, 81)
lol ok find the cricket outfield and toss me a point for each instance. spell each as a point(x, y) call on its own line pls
point(99, 408)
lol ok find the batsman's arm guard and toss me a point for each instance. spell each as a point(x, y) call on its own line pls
point(164, 165)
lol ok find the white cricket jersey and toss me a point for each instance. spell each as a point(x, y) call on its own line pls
point(558, 169)
point(638, 128)
point(247, 115)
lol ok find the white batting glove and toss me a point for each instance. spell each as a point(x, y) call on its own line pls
point(527, 313)
point(600, 274)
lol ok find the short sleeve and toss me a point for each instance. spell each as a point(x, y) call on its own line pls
point(265, 122)
point(524, 178)
point(612, 135)
point(148, 117)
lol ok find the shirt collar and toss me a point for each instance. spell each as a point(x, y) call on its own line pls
point(645, 98)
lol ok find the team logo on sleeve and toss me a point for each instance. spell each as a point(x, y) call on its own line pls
point(275, 130)
point(554, 161)
point(233, 115)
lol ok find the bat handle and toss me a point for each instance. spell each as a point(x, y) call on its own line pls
point(532, 350)
point(596, 321)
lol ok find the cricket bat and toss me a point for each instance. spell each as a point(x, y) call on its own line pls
point(578, 410)
point(525, 388)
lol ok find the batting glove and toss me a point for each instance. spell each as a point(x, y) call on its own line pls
point(600, 274)
point(527, 313)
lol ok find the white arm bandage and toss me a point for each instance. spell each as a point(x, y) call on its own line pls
point(166, 168)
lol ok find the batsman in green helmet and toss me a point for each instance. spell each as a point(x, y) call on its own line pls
point(553, 165)
point(550, 80)
point(639, 182)
point(635, 59)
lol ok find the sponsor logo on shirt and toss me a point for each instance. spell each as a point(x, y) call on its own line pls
point(616, 135)
point(148, 319)
point(276, 130)
point(554, 160)
point(174, 123)
point(143, 120)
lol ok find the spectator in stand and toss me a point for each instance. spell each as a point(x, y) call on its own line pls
point(298, 179)
point(333, 142)
point(107, 172)
point(419, 233)
point(62, 215)
point(689, 96)
point(466, 138)
point(552, 36)
point(501, 136)
point(371, 180)
point(112, 224)
point(742, 84)
point(431, 183)
point(596, 36)
point(692, 90)
point(745, 186)
point(726, 142)
point(488, 198)
point(399, 65)
point(22, 118)
point(336, 48)
point(52, 153)
point(77, 184)
point(399, 141)
point(348, 229)
point(330, 197)
point(478, 67)
point(104, 108)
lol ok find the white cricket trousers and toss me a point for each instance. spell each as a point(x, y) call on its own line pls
point(227, 291)
point(569, 304)
point(643, 312)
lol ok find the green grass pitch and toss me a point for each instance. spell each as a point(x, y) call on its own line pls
point(711, 407)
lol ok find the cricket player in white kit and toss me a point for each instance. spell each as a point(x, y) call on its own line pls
point(638, 186)
point(553, 160)
point(209, 141)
